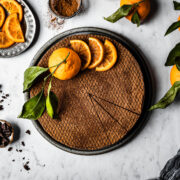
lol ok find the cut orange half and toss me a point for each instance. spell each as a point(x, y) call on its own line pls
point(13, 29)
point(110, 57)
point(12, 6)
point(5, 42)
point(2, 16)
point(82, 49)
point(97, 52)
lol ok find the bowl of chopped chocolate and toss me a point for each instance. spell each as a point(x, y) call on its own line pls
point(6, 133)
point(65, 9)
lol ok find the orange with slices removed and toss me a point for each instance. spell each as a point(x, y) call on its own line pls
point(110, 57)
point(2, 16)
point(97, 52)
point(5, 42)
point(13, 6)
point(13, 29)
point(82, 49)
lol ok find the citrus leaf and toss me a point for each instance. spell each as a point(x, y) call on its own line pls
point(34, 108)
point(136, 19)
point(173, 27)
point(177, 61)
point(30, 75)
point(51, 103)
point(176, 5)
point(120, 13)
point(173, 55)
point(168, 98)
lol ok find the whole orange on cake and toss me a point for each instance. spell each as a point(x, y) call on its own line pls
point(67, 70)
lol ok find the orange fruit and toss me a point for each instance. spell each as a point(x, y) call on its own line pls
point(110, 57)
point(13, 29)
point(82, 49)
point(66, 70)
point(12, 6)
point(5, 42)
point(179, 20)
point(2, 16)
point(97, 52)
point(143, 8)
point(174, 75)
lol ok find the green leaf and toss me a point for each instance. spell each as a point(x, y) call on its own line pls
point(176, 5)
point(173, 27)
point(177, 61)
point(30, 75)
point(34, 108)
point(173, 55)
point(136, 19)
point(168, 98)
point(51, 103)
point(120, 13)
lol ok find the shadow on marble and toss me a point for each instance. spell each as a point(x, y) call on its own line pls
point(153, 12)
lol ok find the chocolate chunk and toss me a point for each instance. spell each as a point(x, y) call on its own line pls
point(4, 97)
point(20, 150)
point(28, 132)
point(7, 95)
point(13, 160)
point(1, 107)
point(1, 100)
point(10, 149)
point(23, 143)
point(26, 167)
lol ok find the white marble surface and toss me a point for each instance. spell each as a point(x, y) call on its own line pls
point(143, 157)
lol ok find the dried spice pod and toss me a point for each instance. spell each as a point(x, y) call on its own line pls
point(6, 133)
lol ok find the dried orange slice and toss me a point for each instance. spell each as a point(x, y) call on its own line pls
point(82, 49)
point(2, 16)
point(110, 57)
point(97, 52)
point(12, 6)
point(13, 29)
point(5, 42)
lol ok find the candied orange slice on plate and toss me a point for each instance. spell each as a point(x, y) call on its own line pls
point(13, 6)
point(82, 49)
point(13, 29)
point(2, 16)
point(5, 42)
point(110, 57)
point(97, 52)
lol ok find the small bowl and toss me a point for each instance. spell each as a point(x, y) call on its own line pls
point(52, 7)
point(12, 133)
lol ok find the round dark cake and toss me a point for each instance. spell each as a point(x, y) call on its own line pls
point(96, 109)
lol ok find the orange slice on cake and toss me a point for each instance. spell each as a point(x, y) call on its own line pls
point(82, 49)
point(13, 29)
point(97, 52)
point(12, 6)
point(110, 57)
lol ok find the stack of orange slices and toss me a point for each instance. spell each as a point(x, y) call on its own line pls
point(96, 55)
point(11, 26)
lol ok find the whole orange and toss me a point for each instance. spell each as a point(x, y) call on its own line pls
point(174, 75)
point(143, 8)
point(68, 69)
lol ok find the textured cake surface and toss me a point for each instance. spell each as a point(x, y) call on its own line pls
point(96, 109)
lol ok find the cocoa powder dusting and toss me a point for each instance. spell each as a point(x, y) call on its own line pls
point(67, 7)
